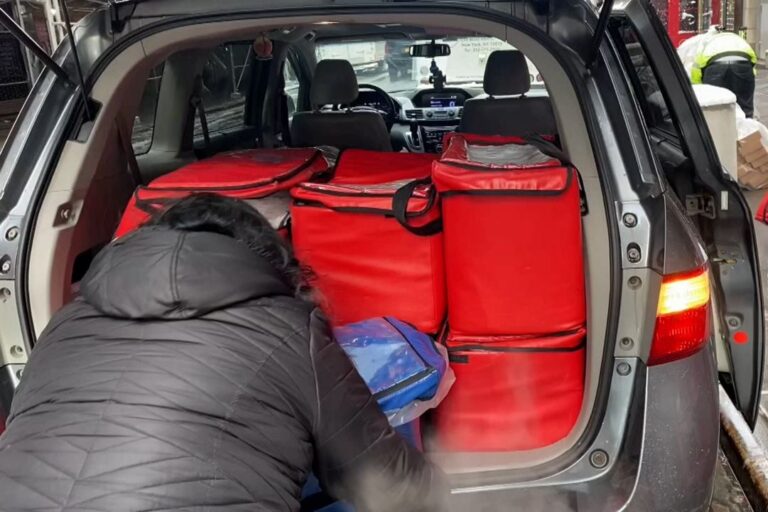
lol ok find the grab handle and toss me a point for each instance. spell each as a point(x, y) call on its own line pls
point(400, 209)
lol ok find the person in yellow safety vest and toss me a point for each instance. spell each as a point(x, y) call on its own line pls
point(726, 60)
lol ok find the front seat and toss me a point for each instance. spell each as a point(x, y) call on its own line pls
point(335, 84)
point(506, 110)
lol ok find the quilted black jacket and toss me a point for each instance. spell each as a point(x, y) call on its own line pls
point(188, 376)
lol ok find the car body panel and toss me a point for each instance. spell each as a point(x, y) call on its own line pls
point(729, 234)
point(681, 436)
point(667, 460)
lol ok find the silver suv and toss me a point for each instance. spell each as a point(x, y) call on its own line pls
point(673, 289)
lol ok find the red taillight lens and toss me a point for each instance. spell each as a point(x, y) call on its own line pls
point(682, 318)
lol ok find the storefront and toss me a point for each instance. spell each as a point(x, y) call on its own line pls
point(686, 18)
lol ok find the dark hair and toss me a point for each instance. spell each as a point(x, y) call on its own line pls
point(237, 219)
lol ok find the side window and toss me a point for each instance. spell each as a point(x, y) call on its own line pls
point(144, 123)
point(223, 91)
point(292, 86)
point(667, 142)
point(695, 15)
point(646, 85)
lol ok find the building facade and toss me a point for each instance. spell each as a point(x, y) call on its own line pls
point(686, 18)
point(42, 20)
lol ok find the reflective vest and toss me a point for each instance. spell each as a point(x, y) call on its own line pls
point(717, 45)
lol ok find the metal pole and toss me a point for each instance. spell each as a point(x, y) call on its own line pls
point(78, 68)
point(58, 23)
point(50, 25)
point(29, 62)
point(231, 52)
point(242, 71)
point(11, 26)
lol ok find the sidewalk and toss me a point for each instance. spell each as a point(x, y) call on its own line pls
point(6, 122)
point(761, 94)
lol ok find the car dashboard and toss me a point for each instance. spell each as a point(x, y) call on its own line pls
point(418, 120)
point(427, 116)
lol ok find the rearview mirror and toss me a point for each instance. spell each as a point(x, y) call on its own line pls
point(429, 50)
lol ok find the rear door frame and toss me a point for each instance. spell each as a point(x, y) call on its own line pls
point(729, 236)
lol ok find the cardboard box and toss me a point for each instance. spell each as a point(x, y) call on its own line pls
point(760, 162)
point(752, 179)
point(753, 155)
point(750, 143)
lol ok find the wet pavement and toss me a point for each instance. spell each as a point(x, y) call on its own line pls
point(727, 495)
point(761, 95)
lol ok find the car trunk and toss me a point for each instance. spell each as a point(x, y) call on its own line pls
point(501, 284)
point(533, 365)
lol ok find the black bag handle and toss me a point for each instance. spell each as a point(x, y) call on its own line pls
point(551, 149)
point(152, 206)
point(547, 147)
point(400, 209)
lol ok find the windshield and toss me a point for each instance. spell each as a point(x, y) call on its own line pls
point(387, 63)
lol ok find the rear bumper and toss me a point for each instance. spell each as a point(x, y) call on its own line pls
point(667, 458)
point(679, 454)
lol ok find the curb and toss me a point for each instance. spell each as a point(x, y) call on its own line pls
point(746, 456)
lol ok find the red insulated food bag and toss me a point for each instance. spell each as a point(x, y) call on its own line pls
point(250, 174)
point(511, 393)
point(762, 210)
point(361, 167)
point(513, 242)
point(374, 250)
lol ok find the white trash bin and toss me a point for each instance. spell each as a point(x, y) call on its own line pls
point(719, 106)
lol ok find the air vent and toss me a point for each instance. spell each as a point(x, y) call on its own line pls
point(461, 111)
point(414, 114)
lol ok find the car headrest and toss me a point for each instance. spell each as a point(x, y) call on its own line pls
point(506, 73)
point(334, 83)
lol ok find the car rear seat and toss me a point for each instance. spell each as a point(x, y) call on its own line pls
point(335, 84)
point(506, 110)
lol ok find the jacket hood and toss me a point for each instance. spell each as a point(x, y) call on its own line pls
point(159, 273)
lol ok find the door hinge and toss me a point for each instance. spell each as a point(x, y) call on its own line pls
point(700, 204)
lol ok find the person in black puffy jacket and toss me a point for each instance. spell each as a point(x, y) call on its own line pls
point(191, 373)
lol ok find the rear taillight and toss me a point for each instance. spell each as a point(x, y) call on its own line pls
point(682, 318)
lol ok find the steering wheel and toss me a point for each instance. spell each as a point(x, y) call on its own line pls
point(390, 115)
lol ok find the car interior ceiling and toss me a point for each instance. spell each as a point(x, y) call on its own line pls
point(328, 108)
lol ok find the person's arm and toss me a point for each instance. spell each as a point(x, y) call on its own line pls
point(358, 457)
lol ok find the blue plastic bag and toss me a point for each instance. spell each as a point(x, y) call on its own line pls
point(400, 364)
